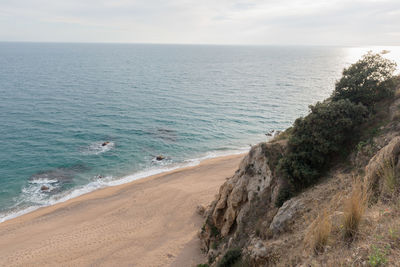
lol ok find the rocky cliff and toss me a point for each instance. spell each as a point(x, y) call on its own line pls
point(249, 194)
point(244, 215)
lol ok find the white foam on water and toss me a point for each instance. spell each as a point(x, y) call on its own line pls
point(43, 181)
point(98, 148)
point(33, 193)
point(11, 215)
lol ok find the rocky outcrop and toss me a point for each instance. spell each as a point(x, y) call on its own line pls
point(253, 183)
point(387, 156)
point(257, 252)
point(244, 214)
point(285, 215)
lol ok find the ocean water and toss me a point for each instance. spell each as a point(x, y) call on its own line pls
point(60, 102)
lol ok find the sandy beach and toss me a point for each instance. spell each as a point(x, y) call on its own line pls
point(148, 222)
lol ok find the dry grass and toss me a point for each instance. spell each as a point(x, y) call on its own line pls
point(354, 208)
point(318, 234)
point(387, 172)
point(310, 243)
point(319, 231)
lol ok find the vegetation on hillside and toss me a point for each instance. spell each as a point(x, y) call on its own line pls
point(351, 218)
point(317, 137)
point(367, 81)
point(333, 126)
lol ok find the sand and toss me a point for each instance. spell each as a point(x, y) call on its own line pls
point(148, 222)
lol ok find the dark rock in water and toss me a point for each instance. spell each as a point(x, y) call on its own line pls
point(44, 188)
point(105, 143)
point(270, 133)
point(160, 157)
point(61, 175)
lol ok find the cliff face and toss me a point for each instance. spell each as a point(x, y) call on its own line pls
point(250, 193)
point(244, 214)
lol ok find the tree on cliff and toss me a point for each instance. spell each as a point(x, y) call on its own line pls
point(317, 137)
point(367, 81)
point(332, 126)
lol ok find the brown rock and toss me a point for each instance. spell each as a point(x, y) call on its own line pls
point(200, 210)
point(388, 154)
point(285, 215)
point(105, 143)
point(44, 188)
point(160, 157)
point(254, 178)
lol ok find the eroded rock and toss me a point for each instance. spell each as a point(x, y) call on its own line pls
point(285, 215)
point(253, 182)
point(389, 154)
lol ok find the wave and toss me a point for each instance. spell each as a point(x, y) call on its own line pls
point(98, 147)
point(33, 193)
point(43, 181)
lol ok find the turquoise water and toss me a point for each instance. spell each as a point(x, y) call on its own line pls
point(60, 102)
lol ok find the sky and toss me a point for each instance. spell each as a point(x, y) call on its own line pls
point(251, 22)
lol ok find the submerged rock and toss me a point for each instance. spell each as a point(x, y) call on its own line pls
point(165, 134)
point(62, 174)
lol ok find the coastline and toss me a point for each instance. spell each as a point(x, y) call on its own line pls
point(146, 222)
point(105, 183)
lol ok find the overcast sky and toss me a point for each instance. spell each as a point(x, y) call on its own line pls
point(291, 22)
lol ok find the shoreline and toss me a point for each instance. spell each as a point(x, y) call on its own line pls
point(102, 184)
point(149, 209)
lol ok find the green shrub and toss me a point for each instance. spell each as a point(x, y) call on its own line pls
point(214, 230)
point(318, 137)
point(377, 257)
point(214, 245)
point(230, 258)
point(203, 265)
point(367, 81)
point(285, 193)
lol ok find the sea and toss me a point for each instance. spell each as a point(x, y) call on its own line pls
point(78, 117)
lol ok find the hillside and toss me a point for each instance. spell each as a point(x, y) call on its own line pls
point(324, 192)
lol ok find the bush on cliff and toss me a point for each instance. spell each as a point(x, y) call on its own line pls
point(230, 258)
point(316, 138)
point(367, 81)
point(332, 125)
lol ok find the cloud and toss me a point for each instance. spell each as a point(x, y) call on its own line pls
point(335, 22)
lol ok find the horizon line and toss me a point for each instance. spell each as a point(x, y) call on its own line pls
point(199, 44)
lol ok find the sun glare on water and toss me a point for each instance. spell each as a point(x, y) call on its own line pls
point(389, 52)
